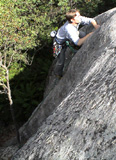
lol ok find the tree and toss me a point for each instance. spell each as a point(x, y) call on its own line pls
point(18, 32)
point(24, 26)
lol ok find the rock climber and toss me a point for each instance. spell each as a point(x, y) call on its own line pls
point(70, 31)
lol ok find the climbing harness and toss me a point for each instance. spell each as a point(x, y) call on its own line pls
point(58, 47)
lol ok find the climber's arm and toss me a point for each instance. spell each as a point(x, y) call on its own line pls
point(94, 23)
point(82, 40)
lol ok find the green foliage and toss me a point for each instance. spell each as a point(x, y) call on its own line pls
point(25, 99)
point(24, 26)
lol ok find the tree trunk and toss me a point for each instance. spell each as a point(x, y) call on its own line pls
point(11, 106)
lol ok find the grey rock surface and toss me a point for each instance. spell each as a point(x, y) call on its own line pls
point(76, 121)
point(7, 152)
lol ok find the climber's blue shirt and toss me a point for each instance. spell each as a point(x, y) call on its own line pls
point(70, 32)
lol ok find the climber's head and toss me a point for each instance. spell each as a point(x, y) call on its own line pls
point(73, 16)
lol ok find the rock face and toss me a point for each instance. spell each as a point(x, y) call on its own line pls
point(76, 121)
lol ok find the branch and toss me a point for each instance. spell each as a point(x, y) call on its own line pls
point(11, 58)
point(3, 66)
point(30, 61)
point(5, 88)
point(2, 84)
point(6, 48)
point(0, 58)
point(2, 92)
point(1, 81)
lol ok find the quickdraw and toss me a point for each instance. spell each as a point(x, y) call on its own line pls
point(56, 49)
